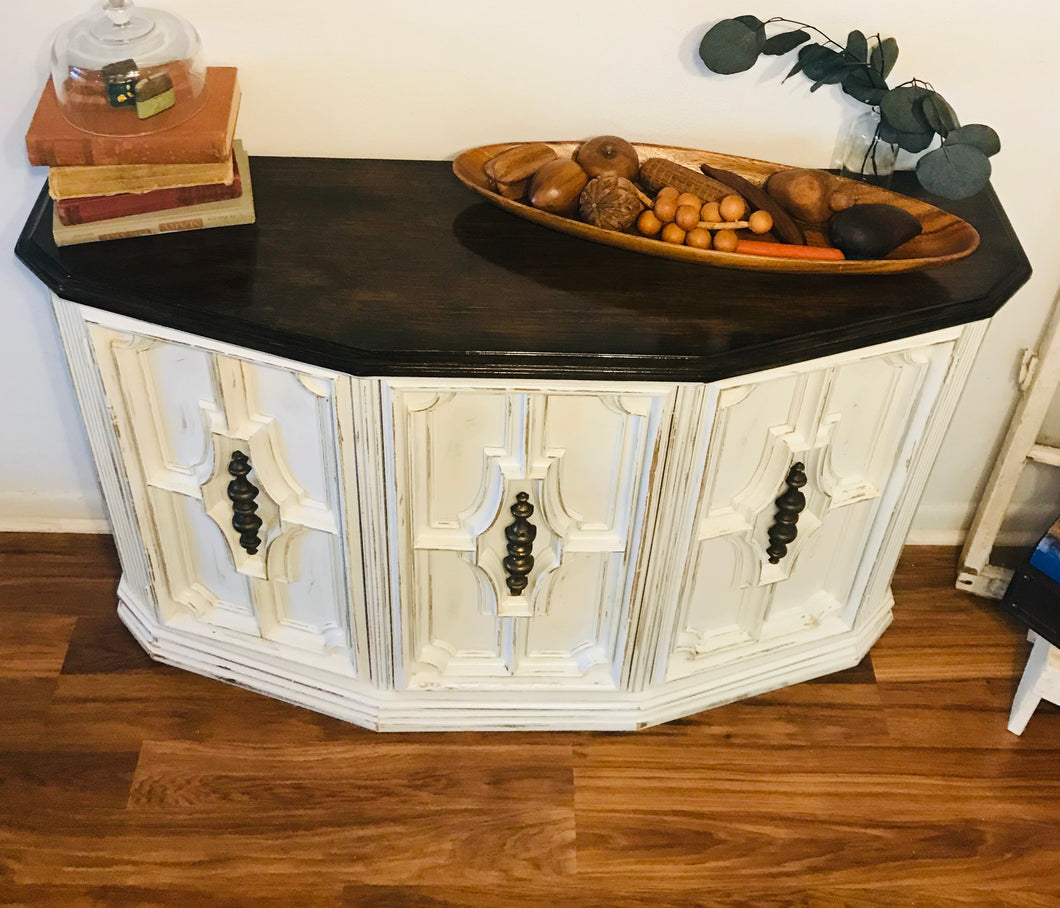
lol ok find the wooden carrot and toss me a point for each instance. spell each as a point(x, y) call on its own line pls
point(789, 250)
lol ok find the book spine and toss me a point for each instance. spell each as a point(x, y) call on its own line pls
point(100, 208)
point(99, 231)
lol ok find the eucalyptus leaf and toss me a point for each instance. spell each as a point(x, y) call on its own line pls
point(795, 70)
point(752, 22)
point(864, 84)
point(901, 108)
point(731, 47)
point(819, 62)
point(883, 56)
point(784, 42)
point(938, 113)
point(978, 136)
point(857, 47)
point(912, 142)
point(954, 171)
point(831, 73)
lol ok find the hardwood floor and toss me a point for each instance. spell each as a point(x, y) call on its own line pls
point(128, 783)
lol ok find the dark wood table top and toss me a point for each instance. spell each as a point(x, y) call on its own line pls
point(384, 267)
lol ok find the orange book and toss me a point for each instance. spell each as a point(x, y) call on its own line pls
point(207, 137)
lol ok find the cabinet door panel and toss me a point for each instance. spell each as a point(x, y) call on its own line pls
point(297, 404)
point(182, 379)
point(461, 456)
point(850, 426)
point(182, 411)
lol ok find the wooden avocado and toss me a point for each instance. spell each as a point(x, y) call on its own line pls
point(872, 230)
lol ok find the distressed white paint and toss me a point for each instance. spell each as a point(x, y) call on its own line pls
point(293, 591)
point(379, 594)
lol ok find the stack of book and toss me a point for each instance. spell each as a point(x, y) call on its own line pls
point(188, 177)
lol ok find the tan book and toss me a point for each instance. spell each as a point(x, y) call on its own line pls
point(115, 179)
point(229, 212)
point(85, 209)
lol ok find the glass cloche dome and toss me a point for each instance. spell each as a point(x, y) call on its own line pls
point(125, 71)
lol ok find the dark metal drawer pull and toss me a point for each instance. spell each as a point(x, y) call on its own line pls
point(789, 505)
point(242, 492)
point(520, 535)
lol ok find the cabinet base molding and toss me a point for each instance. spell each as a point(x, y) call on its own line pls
point(363, 704)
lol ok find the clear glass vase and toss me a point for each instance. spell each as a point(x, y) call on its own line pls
point(863, 155)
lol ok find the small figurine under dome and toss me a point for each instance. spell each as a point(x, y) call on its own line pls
point(125, 71)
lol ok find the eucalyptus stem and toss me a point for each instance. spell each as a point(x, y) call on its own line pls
point(912, 116)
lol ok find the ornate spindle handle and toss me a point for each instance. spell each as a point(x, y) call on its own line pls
point(242, 492)
point(520, 536)
point(789, 505)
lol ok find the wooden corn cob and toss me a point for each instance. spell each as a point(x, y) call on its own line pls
point(655, 173)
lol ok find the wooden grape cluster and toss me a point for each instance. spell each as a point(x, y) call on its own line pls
point(683, 218)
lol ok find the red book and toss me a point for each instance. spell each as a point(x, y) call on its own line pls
point(52, 141)
point(88, 209)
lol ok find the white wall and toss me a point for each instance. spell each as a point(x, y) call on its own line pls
point(427, 79)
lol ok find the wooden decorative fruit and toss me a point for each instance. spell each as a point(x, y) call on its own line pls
point(810, 196)
point(873, 230)
point(610, 202)
point(519, 162)
point(732, 208)
point(608, 156)
point(557, 186)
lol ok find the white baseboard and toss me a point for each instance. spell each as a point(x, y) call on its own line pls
point(1025, 523)
point(935, 537)
point(1010, 538)
point(35, 512)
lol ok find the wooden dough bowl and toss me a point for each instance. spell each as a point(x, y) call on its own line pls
point(945, 237)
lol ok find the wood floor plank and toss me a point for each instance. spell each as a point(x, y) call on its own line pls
point(806, 714)
point(698, 851)
point(307, 894)
point(903, 784)
point(32, 779)
point(601, 894)
point(379, 843)
point(104, 711)
point(227, 776)
point(101, 644)
point(943, 634)
point(24, 704)
point(58, 573)
point(965, 714)
point(33, 646)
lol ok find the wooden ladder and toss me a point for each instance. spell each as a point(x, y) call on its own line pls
point(1039, 378)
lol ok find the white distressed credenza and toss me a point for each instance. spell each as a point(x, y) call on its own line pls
point(396, 456)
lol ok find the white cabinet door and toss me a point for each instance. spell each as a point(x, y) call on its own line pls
point(852, 428)
point(460, 455)
point(184, 414)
